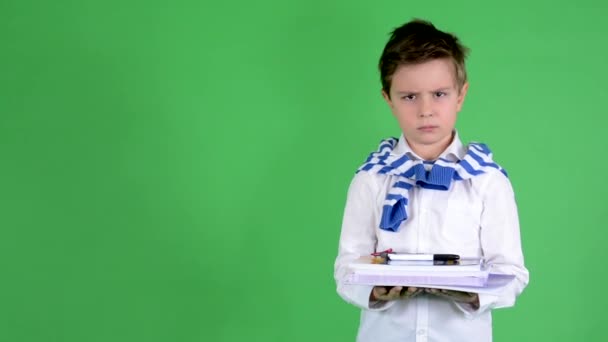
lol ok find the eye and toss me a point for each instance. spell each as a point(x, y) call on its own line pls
point(440, 94)
point(410, 97)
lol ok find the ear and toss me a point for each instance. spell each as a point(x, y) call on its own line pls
point(461, 95)
point(387, 98)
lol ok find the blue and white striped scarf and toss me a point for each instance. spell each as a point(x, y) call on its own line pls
point(477, 160)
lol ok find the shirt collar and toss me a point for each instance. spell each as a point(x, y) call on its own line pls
point(454, 152)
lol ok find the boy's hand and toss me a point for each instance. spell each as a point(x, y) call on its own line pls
point(387, 293)
point(457, 296)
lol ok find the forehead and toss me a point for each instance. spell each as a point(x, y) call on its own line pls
point(430, 75)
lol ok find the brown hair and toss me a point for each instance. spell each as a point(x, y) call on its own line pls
point(418, 41)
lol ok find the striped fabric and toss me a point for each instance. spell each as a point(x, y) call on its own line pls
point(411, 173)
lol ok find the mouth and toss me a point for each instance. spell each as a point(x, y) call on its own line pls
point(428, 128)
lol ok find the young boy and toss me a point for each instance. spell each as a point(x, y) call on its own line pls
point(428, 193)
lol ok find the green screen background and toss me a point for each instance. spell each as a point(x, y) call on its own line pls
point(177, 170)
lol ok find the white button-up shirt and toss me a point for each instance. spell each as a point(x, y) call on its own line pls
point(475, 218)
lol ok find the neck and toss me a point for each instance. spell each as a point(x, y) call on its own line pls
point(432, 151)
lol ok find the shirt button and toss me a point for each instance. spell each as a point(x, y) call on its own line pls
point(421, 331)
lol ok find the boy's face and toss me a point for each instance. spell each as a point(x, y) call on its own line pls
point(426, 100)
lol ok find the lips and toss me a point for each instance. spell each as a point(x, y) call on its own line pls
point(427, 128)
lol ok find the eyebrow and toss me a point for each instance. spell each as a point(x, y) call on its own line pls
point(401, 92)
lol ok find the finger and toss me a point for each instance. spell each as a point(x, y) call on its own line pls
point(379, 291)
point(415, 293)
point(447, 293)
point(463, 295)
point(407, 293)
point(470, 297)
point(395, 292)
point(459, 296)
point(445, 296)
point(383, 297)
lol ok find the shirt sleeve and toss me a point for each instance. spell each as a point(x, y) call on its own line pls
point(358, 238)
point(500, 242)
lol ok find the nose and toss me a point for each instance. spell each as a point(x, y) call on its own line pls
point(426, 108)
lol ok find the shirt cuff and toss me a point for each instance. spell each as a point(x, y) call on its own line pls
point(359, 296)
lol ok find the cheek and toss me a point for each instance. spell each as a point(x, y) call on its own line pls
point(450, 109)
point(404, 109)
point(404, 114)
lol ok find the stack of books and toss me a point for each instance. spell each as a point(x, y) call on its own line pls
point(447, 271)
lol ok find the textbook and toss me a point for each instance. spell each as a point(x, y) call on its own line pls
point(495, 284)
point(364, 272)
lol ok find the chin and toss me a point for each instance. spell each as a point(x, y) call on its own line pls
point(435, 138)
point(429, 139)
